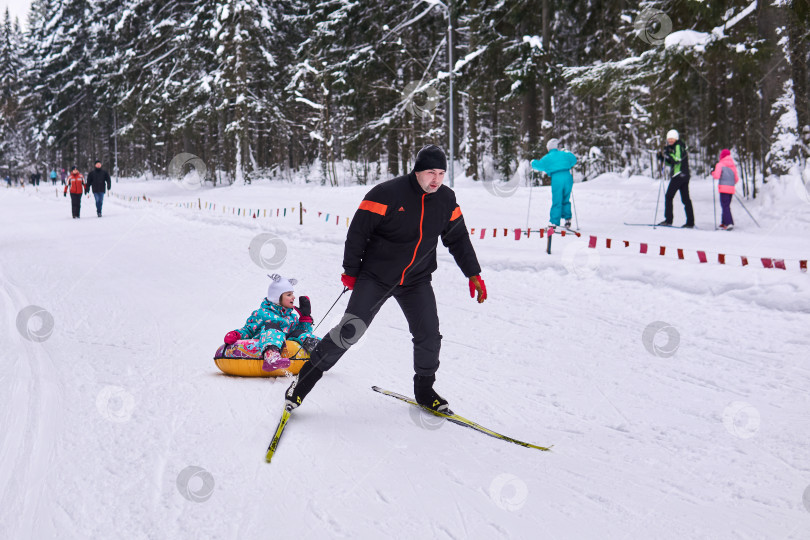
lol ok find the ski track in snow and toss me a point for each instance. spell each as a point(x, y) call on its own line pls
point(31, 420)
point(99, 420)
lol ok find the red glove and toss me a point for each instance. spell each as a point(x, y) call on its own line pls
point(232, 337)
point(348, 281)
point(477, 284)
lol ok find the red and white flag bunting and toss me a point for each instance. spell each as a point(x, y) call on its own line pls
point(645, 248)
point(703, 256)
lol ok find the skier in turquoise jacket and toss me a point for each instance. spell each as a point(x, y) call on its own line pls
point(557, 164)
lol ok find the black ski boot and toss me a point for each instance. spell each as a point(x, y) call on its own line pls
point(300, 387)
point(425, 395)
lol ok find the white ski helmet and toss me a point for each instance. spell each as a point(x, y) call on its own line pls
point(552, 144)
point(672, 134)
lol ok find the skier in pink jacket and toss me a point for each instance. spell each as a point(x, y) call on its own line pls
point(726, 172)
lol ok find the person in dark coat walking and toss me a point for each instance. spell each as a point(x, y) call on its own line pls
point(676, 157)
point(390, 251)
point(99, 181)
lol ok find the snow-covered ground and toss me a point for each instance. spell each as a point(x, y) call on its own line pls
point(675, 393)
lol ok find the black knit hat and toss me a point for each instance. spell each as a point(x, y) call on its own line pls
point(430, 157)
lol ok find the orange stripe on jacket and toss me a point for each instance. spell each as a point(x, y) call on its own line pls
point(372, 206)
point(456, 214)
point(421, 219)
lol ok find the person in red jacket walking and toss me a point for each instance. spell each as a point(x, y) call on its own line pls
point(390, 251)
point(75, 183)
point(726, 173)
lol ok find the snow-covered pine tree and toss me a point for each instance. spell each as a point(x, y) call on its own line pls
point(253, 86)
point(31, 90)
point(243, 38)
point(13, 155)
point(67, 79)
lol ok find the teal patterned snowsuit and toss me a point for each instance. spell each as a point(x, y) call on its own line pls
point(272, 324)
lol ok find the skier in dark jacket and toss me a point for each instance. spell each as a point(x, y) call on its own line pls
point(674, 154)
point(99, 181)
point(390, 251)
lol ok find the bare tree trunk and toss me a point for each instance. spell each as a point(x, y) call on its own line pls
point(530, 106)
point(472, 139)
point(774, 70)
point(473, 95)
point(495, 128)
point(391, 148)
point(457, 126)
point(547, 90)
point(799, 35)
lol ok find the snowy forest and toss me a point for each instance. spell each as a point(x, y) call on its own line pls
point(258, 88)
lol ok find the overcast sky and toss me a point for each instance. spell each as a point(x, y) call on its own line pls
point(17, 8)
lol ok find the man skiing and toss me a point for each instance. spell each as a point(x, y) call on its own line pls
point(390, 251)
point(557, 164)
point(98, 180)
point(674, 155)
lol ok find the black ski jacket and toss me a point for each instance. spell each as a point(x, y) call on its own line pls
point(393, 235)
point(677, 158)
point(97, 179)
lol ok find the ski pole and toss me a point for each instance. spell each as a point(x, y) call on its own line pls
point(660, 188)
point(714, 206)
point(330, 309)
point(529, 210)
point(746, 210)
point(574, 204)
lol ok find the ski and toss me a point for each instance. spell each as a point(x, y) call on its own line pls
point(647, 225)
point(285, 416)
point(655, 225)
point(460, 420)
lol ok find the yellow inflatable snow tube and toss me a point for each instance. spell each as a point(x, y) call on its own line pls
point(252, 367)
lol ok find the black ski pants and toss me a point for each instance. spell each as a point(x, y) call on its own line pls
point(76, 203)
point(417, 302)
point(676, 184)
